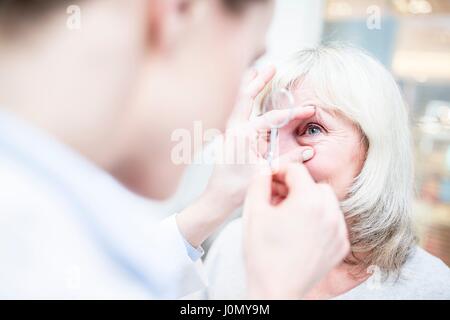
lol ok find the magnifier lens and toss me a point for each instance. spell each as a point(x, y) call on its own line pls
point(278, 100)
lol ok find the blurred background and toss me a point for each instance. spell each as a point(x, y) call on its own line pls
point(412, 39)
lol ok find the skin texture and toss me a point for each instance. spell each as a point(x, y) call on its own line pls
point(309, 217)
point(338, 158)
point(338, 149)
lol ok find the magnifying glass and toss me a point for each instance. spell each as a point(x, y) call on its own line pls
point(277, 100)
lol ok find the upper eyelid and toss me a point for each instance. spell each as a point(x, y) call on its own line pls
point(302, 129)
point(313, 120)
point(313, 124)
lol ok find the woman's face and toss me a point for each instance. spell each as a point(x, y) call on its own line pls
point(339, 150)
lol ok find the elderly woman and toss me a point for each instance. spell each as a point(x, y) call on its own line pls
point(361, 144)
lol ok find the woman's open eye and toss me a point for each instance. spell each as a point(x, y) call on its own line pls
point(313, 129)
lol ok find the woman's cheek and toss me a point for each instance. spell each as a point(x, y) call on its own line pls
point(324, 166)
point(319, 167)
point(335, 166)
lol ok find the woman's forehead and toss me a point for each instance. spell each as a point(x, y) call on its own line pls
point(325, 113)
point(305, 94)
point(306, 97)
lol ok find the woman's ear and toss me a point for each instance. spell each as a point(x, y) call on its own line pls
point(168, 20)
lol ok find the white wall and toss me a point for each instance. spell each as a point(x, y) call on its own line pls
point(296, 24)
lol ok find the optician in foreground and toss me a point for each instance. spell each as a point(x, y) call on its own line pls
point(80, 106)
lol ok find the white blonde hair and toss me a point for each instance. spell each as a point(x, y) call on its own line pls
point(378, 204)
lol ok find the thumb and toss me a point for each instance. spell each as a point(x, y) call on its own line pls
point(296, 178)
point(301, 154)
point(258, 197)
point(260, 190)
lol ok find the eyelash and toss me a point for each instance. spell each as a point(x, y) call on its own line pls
point(312, 125)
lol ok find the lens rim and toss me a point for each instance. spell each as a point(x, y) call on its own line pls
point(290, 97)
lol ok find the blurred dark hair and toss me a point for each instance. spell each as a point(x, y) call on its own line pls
point(25, 7)
point(239, 5)
point(36, 7)
point(16, 15)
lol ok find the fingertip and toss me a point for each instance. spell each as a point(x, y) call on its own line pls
point(308, 154)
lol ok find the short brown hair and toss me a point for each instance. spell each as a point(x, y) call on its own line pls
point(238, 5)
point(41, 6)
point(25, 7)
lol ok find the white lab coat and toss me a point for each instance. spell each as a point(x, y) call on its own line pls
point(68, 230)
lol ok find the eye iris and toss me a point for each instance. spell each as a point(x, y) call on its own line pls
point(313, 130)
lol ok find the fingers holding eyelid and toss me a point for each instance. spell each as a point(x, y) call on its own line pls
point(297, 121)
point(301, 154)
point(313, 129)
point(300, 113)
point(270, 118)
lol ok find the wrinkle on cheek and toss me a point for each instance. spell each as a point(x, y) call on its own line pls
point(328, 156)
point(350, 143)
point(341, 136)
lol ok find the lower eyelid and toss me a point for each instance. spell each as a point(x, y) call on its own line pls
point(309, 138)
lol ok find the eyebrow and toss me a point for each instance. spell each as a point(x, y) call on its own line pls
point(320, 111)
point(320, 106)
point(329, 111)
point(318, 117)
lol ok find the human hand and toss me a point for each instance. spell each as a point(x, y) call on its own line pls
point(291, 245)
point(241, 154)
point(244, 144)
